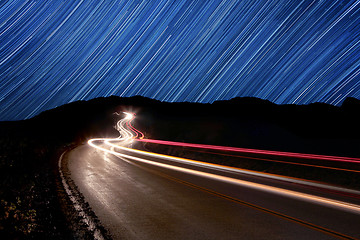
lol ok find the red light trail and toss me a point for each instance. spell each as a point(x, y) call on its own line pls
point(256, 151)
point(137, 132)
point(140, 137)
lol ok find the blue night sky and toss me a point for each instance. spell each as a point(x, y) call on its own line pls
point(55, 52)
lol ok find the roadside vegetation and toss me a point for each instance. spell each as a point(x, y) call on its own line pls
point(29, 206)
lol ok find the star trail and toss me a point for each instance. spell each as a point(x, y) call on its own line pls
point(289, 52)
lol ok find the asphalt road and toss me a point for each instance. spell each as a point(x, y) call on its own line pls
point(137, 199)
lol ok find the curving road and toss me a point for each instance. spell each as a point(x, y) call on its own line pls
point(140, 195)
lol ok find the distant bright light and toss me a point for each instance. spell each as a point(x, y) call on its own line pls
point(129, 115)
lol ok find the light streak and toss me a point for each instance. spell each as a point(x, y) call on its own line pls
point(284, 192)
point(279, 161)
point(129, 115)
point(255, 151)
point(127, 136)
point(139, 134)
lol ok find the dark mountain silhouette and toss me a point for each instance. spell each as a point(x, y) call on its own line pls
point(243, 122)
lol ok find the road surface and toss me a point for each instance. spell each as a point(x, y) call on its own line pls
point(139, 195)
point(136, 200)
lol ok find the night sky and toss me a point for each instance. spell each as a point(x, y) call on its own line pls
point(55, 52)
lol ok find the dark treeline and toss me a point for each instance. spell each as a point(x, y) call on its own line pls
point(242, 122)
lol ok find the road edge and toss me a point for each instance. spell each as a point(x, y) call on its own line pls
point(82, 221)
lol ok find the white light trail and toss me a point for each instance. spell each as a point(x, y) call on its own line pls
point(126, 137)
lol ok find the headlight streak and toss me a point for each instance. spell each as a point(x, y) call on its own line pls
point(284, 192)
point(236, 149)
point(139, 136)
point(129, 115)
point(229, 169)
point(127, 137)
point(125, 133)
